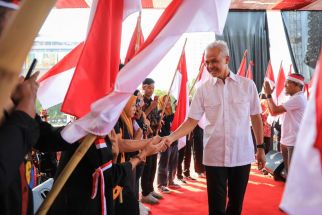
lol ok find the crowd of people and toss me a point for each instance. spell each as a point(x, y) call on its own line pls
point(127, 158)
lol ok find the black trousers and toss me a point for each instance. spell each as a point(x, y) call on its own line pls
point(184, 156)
point(148, 175)
point(198, 149)
point(218, 178)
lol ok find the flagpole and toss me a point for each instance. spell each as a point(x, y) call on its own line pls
point(195, 81)
point(167, 98)
point(65, 174)
point(16, 40)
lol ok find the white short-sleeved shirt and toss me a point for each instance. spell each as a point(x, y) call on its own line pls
point(227, 107)
point(293, 116)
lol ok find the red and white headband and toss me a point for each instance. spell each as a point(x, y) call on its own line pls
point(11, 5)
point(296, 78)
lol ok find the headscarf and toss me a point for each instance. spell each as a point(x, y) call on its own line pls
point(126, 114)
point(167, 110)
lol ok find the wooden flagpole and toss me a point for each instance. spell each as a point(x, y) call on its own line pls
point(67, 171)
point(167, 98)
point(15, 42)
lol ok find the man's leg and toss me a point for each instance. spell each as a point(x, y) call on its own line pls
point(290, 154)
point(285, 157)
point(187, 158)
point(217, 189)
point(237, 183)
point(163, 168)
point(180, 160)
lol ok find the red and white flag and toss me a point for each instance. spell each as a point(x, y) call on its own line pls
point(182, 97)
point(249, 74)
point(303, 190)
point(280, 83)
point(136, 41)
point(172, 24)
point(54, 84)
point(242, 67)
point(270, 75)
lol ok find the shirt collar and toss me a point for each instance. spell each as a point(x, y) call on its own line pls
point(231, 76)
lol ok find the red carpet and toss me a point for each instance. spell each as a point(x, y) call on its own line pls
point(262, 197)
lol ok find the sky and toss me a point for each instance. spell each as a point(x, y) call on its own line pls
point(70, 25)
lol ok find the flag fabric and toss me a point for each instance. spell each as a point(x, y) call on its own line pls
point(136, 41)
point(303, 189)
point(172, 24)
point(242, 67)
point(99, 61)
point(270, 75)
point(280, 85)
point(249, 74)
point(53, 84)
point(182, 97)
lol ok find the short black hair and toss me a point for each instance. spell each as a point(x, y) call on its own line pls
point(148, 81)
point(136, 92)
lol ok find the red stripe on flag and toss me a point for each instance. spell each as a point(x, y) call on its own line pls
point(280, 82)
point(98, 65)
point(249, 74)
point(242, 66)
point(181, 110)
point(68, 62)
point(163, 21)
point(136, 41)
point(269, 72)
point(318, 105)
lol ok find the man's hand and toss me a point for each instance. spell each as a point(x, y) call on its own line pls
point(267, 88)
point(115, 146)
point(167, 140)
point(25, 95)
point(152, 149)
point(156, 139)
point(261, 159)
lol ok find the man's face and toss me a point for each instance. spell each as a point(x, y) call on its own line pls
point(148, 90)
point(290, 87)
point(215, 62)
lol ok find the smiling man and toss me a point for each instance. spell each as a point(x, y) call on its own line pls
point(293, 110)
point(228, 101)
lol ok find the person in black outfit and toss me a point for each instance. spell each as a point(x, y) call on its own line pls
point(151, 111)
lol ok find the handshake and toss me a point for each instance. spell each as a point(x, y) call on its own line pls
point(157, 144)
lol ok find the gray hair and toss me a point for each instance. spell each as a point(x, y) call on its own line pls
point(221, 45)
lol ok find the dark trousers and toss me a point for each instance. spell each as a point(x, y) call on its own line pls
point(198, 149)
point(218, 178)
point(287, 152)
point(148, 175)
point(185, 157)
point(168, 165)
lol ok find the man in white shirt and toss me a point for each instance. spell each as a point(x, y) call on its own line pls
point(228, 101)
point(293, 110)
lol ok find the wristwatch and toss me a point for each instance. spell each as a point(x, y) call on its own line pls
point(268, 96)
point(261, 146)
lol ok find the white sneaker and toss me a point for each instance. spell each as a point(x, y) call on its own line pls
point(149, 199)
point(156, 195)
point(143, 209)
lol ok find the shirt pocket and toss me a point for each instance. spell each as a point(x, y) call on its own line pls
point(240, 107)
point(212, 110)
